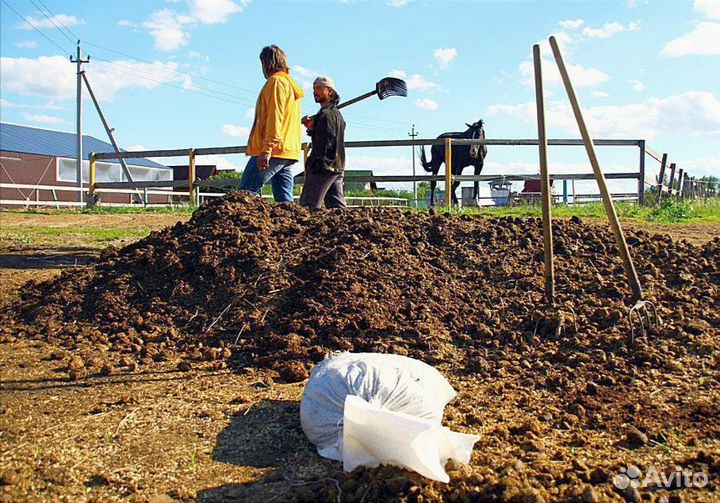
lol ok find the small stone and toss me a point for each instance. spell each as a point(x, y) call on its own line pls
point(631, 494)
point(9, 478)
point(635, 437)
point(588, 495)
point(599, 476)
point(160, 498)
point(577, 410)
point(591, 388)
point(184, 366)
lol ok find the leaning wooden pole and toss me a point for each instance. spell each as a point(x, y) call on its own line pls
point(661, 178)
point(630, 272)
point(544, 180)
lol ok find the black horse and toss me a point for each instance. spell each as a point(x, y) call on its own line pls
point(462, 156)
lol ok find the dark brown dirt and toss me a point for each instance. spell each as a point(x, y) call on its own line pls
point(250, 286)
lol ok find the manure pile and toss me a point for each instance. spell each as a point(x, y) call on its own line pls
point(280, 286)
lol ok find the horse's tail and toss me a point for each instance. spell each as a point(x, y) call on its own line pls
point(423, 160)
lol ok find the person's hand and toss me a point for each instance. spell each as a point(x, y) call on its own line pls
point(263, 160)
point(307, 121)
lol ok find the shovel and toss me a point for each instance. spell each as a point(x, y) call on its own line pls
point(389, 86)
point(643, 310)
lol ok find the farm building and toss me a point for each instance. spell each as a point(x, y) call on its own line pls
point(38, 166)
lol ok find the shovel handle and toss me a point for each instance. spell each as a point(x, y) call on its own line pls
point(544, 180)
point(355, 100)
point(602, 184)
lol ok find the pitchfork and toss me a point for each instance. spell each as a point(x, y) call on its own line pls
point(559, 317)
point(643, 310)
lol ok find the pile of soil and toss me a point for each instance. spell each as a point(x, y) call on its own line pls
point(278, 287)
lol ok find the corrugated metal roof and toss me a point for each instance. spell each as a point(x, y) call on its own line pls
point(32, 140)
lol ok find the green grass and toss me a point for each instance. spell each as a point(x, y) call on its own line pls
point(669, 212)
point(26, 235)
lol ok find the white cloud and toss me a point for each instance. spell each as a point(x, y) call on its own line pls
point(49, 76)
point(305, 72)
point(704, 40)
point(42, 119)
point(637, 86)
point(305, 76)
point(426, 104)
point(250, 114)
point(397, 3)
point(216, 11)
point(28, 44)
point(235, 131)
point(166, 28)
point(124, 23)
point(599, 94)
point(52, 22)
point(197, 55)
point(632, 4)
point(572, 24)
point(415, 82)
point(608, 30)
point(708, 8)
point(579, 75)
point(445, 56)
point(692, 113)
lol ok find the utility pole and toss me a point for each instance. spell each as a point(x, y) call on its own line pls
point(79, 62)
point(413, 134)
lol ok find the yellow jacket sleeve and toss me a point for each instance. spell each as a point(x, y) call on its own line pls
point(278, 97)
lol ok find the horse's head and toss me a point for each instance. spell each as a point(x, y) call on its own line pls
point(476, 129)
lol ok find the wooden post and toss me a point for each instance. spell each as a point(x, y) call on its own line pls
point(91, 200)
point(448, 173)
point(641, 179)
point(92, 173)
point(544, 181)
point(679, 193)
point(671, 182)
point(661, 178)
point(191, 178)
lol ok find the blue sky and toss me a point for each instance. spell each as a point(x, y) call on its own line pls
point(180, 74)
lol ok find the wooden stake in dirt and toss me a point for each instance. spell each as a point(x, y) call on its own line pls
point(544, 180)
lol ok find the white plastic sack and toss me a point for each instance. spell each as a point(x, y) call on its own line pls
point(399, 421)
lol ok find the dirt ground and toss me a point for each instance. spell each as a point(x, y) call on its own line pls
point(158, 434)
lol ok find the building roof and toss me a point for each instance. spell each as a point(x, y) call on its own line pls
point(32, 140)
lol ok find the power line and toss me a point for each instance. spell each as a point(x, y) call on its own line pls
point(52, 20)
point(33, 27)
point(72, 35)
point(176, 71)
point(138, 71)
point(144, 75)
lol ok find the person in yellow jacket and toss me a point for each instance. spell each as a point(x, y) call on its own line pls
point(275, 138)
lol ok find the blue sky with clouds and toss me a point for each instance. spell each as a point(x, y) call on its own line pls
point(178, 74)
